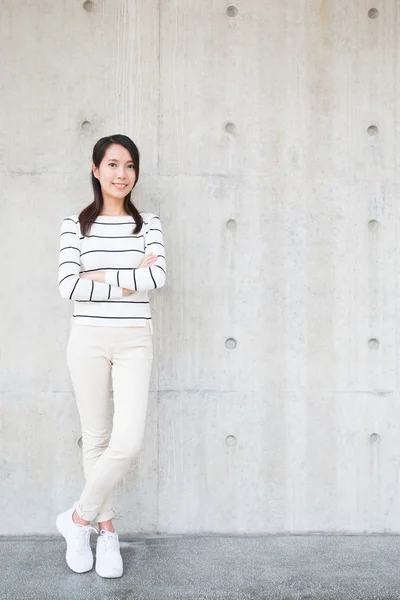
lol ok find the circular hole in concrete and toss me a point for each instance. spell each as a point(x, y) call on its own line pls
point(230, 128)
point(230, 440)
point(88, 5)
point(231, 11)
point(372, 130)
point(373, 225)
point(373, 344)
point(79, 442)
point(230, 343)
point(231, 224)
point(373, 13)
point(86, 126)
point(375, 438)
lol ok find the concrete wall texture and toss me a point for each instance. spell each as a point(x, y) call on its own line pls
point(270, 150)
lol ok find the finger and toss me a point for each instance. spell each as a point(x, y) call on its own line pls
point(146, 262)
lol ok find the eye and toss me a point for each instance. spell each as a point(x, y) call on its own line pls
point(131, 166)
point(111, 164)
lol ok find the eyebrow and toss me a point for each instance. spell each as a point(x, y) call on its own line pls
point(116, 160)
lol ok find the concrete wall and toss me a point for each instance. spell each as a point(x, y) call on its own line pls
point(281, 219)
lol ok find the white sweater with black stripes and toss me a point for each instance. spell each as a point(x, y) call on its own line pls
point(111, 246)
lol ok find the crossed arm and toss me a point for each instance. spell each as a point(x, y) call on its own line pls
point(106, 285)
point(100, 276)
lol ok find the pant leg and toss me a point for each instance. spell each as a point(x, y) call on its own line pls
point(90, 367)
point(131, 369)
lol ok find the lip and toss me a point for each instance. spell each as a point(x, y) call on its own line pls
point(120, 186)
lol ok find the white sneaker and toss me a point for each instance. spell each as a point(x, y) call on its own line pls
point(108, 557)
point(79, 554)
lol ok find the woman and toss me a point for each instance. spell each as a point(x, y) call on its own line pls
point(111, 256)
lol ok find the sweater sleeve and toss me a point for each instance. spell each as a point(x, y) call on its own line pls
point(146, 278)
point(72, 286)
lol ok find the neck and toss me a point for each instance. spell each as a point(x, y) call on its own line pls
point(113, 207)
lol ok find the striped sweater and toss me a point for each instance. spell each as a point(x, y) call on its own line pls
point(111, 246)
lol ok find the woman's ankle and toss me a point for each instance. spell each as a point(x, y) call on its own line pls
point(78, 520)
point(107, 525)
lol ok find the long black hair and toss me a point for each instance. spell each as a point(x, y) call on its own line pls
point(91, 212)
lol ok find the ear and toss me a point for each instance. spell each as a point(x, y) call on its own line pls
point(95, 171)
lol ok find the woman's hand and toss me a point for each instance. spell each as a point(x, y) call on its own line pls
point(148, 260)
point(126, 292)
point(99, 276)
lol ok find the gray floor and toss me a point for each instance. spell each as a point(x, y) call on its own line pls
point(228, 568)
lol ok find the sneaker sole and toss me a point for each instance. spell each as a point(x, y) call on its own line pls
point(108, 576)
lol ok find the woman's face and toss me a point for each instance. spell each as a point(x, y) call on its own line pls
point(116, 172)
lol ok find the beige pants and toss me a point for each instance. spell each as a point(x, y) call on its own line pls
point(109, 443)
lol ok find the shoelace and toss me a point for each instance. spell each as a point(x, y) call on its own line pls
point(86, 535)
point(110, 539)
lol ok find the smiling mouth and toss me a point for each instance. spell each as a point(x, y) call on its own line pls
point(120, 186)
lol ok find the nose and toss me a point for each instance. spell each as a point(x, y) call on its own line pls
point(120, 172)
